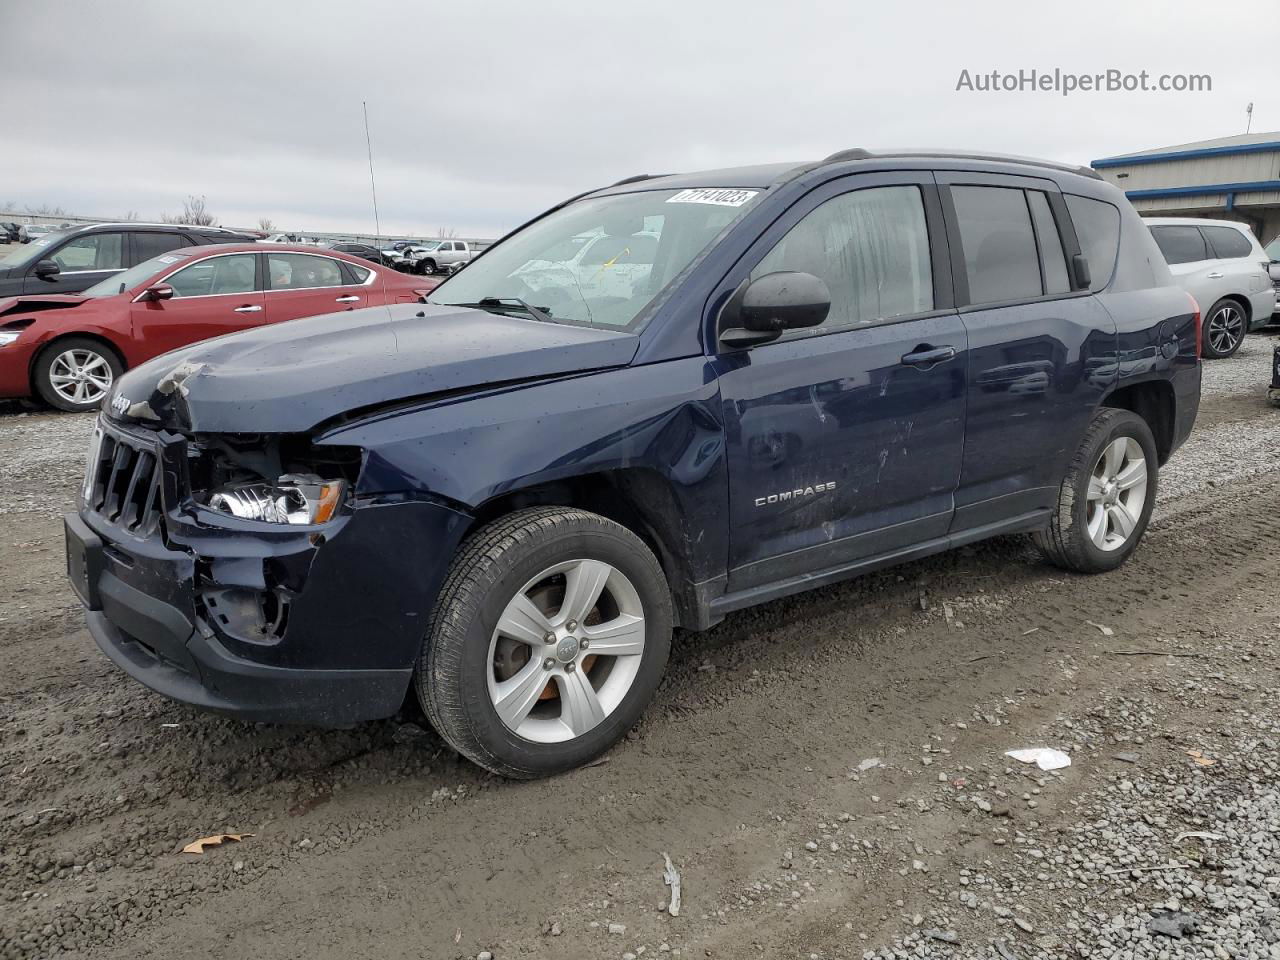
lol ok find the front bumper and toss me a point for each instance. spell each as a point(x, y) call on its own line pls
point(15, 368)
point(162, 607)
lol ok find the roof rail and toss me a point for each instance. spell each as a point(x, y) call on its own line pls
point(858, 153)
point(637, 178)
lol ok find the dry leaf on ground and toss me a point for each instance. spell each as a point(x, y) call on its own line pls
point(197, 846)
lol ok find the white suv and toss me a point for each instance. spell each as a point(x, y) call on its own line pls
point(1222, 265)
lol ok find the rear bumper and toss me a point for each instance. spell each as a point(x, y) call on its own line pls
point(1262, 306)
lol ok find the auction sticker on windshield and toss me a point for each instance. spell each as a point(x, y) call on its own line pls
point(719, 196)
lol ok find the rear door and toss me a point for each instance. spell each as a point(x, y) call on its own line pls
point(211, 296)
point(308, 285)
point(844, 440)
point(1041, 350)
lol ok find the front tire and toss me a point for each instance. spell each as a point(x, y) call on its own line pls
point(1224, 328)
point(1106, 497)
point(76, 373)
point(547, 642)
point(427, 267)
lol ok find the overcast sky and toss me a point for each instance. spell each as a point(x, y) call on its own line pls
point(484, 112)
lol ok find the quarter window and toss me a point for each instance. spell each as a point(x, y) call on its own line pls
point(299, 271)
point(360, 273)
point(1053, 262)
point(96, 251)
point(215, 275)
point(1097, 226)
point(1228, 243)
point(999, 244)
point(871, 247)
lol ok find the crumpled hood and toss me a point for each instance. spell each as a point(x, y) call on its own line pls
point(289, 377)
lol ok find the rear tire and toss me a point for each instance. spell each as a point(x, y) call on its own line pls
point(1225, 326)
point(76, 373)
point(497, 689)
point(1106, 497)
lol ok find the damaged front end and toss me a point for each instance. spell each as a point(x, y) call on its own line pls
point(247, 573)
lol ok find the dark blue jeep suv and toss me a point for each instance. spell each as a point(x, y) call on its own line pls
point(654, 404)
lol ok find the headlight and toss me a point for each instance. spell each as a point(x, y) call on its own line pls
point(291, 499)
point(8, 336)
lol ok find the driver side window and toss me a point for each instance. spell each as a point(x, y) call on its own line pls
point(97, 251)
point(871, 247)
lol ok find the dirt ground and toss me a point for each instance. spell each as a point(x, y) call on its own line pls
point(826, 772)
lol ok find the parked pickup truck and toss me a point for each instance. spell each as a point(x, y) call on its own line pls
point(502, 501)
point(444, 257)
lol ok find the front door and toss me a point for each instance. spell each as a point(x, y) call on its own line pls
point(82, 261)
point(844, 440)
point(213, 296)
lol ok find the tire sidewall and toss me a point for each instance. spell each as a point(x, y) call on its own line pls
point(509, 575)
point(1129, 425)
point(427, 268)
point(44, 361)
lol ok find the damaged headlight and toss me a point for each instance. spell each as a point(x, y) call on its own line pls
point(291, 499)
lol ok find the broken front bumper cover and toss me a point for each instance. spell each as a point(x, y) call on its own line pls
point(354, 632)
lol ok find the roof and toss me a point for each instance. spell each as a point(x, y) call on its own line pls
point(1194, 222)
point(766, 175)
point(1220, 146)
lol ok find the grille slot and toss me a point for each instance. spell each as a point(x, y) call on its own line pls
point(123, 482)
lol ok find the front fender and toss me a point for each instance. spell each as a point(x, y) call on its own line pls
point(660, 420)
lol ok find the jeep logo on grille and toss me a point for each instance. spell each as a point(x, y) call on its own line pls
point(119, 404)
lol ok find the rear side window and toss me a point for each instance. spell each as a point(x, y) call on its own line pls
point(1052, 259)
point(1228, 243)
point(299, 271)
point(1181, 244)
point(999, 243)
point(871, 247)
point(148, 245)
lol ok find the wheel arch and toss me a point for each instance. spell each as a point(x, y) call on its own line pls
point(1155, 402)
point(72, 335)
point(636, 498)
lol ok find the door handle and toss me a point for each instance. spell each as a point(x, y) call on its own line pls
point(350, 299)
point(926, 356)
point(249, 309)
point(1216, 275)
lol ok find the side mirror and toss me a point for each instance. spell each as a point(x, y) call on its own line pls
point(47, 268)
point(765, 307)
point(1080, 271)
point(161, 291)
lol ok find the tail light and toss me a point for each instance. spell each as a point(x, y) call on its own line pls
point(1195, 308)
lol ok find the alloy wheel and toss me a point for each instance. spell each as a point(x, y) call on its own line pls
point(1226, 328)
point(1117, 493)
point(566, 651)
point(80, 376)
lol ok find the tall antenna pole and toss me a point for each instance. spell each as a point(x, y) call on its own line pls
point(373, 187)
point(1248, 112)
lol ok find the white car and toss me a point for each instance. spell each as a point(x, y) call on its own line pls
point(600, 265)
point(1222, 265)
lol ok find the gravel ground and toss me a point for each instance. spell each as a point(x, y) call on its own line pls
point(827, 772)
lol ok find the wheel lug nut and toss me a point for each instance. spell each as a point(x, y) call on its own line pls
point(548, 663)
point(548, 638)
point(571, 625)
point(583, 643)
point(569, 666)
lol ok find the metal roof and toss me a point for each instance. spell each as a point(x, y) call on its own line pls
point(1221, 146)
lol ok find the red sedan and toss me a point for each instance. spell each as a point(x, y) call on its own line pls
point(68, 349)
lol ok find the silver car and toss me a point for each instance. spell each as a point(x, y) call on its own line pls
point(1222, 265)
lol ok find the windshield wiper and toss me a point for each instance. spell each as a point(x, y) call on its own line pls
point(537, 313)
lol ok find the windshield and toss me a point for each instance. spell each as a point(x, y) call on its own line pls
point(644, 240)
point(134, 275)
point(1273, 249)
point(30, 252)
